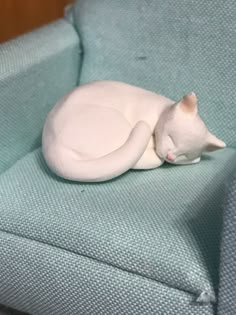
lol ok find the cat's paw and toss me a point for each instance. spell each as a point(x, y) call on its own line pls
point(149, 160)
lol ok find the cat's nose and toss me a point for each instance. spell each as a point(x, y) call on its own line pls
point(170, 157)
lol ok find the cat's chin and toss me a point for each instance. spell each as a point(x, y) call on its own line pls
point(195, 161)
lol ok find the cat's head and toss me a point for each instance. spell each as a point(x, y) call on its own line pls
point(180, 134)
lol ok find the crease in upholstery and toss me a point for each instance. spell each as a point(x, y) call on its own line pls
point(130, 272)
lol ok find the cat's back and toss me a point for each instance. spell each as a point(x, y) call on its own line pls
point(114, 92)
point(133, 102)
point(109, 93)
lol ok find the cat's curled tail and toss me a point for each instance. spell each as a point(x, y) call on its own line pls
point(68, 164)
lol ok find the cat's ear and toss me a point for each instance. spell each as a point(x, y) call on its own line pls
point(188, 103)
point(213, 143)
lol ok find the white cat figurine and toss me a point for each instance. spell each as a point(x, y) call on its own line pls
point(102, 129)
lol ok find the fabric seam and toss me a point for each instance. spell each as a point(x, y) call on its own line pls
point(107, 264)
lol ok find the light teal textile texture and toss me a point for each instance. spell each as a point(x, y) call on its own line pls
point(35, 70)
point(227, 290)
point(170, 47)
point(46, 280)
point(145, 243)
point(161, 224)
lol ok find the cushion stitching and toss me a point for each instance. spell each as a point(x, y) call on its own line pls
point(103, 262)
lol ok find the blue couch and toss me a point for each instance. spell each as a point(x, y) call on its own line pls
point(157, 242)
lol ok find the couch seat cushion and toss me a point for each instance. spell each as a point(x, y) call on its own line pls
point(163, 224)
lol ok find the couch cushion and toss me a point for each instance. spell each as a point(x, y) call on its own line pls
point(163, 224)
point(170, 47)
point(40, 279)
point(36, 69)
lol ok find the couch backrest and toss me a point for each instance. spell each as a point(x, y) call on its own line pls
point(168, 46)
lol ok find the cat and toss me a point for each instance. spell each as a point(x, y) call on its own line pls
point(102, 129)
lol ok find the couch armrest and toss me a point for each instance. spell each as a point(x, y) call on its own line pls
point(227, 292)
point(36, 69)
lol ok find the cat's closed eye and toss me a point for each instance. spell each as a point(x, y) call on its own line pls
point(172, 139)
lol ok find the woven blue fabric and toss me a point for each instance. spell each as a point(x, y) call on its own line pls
point(227, 300)
point(35, 70)
point(167, 46)
point(161, 224)
point(147, 242)
point(46, 280)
